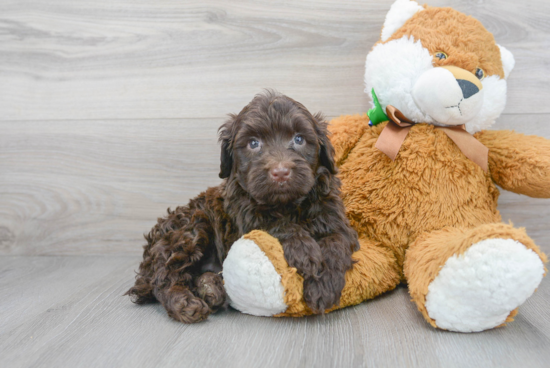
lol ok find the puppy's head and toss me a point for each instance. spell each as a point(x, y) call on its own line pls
point(276, 149)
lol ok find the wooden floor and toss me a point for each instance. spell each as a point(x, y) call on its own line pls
point(75, 316)
point(108, 115)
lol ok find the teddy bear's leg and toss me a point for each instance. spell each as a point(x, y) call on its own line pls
point(258, 280)
point(474, 279)
point(375, 272)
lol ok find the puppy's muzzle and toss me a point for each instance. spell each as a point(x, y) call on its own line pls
point(280, 173)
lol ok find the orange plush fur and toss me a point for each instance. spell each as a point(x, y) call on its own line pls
point(433, 202)
point(432, 192)
point(463, 38)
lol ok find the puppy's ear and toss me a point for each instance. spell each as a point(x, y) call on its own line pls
point(226, 132)
point(326, 152)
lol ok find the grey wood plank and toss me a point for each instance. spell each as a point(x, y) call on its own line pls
point(62, 59)
point(94, 187)
point(108, 181)
point(83, 321)
point(33, 286)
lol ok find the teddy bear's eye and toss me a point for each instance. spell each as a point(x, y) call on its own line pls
point(441, 55)
point(480, 74)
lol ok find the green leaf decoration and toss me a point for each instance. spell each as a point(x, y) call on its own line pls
point(376, 114)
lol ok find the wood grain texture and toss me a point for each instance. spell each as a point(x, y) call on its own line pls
point(51, 319)
point(94, 187)
point(61, 59)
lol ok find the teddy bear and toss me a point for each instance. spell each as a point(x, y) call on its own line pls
point(419, 175)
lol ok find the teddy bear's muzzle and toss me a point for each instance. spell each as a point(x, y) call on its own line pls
point(449, 95)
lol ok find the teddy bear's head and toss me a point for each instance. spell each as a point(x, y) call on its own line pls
point(438, 66)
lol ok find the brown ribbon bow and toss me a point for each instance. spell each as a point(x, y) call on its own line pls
point(393, 135)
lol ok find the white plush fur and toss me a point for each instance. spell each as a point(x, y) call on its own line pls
point(508, 60)
point(399, 13)
point(494, 101)
point(393, 70)
point(438, 95)
point(251, 282)
point(477, 290)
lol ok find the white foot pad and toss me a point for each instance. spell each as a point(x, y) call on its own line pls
point(477, 290)
point(251, 282)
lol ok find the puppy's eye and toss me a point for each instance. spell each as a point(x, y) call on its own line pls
point(253, 144)
point(480, 74)
point(299, 140)
point(441, 55)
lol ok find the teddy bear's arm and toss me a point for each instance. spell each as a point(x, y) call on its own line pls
point(517, 162)
point(345, 132)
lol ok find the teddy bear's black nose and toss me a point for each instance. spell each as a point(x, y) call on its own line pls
point(467, 87)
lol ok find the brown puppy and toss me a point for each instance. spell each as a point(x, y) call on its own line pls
point(279, 174)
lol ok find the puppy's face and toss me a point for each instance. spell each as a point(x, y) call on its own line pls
point(275, 149)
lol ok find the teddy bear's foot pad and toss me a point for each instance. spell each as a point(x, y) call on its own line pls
point(479, 289)
point(251, 281)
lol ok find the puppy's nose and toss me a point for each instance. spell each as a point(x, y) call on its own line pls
point(280, 173)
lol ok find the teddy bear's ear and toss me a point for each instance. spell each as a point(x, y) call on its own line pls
point(508, 60)
point(400, 12)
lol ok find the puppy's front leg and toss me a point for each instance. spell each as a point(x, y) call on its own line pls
point(302, 252)
point(336, 249)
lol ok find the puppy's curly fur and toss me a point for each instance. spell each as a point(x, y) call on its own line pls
point(279, 176)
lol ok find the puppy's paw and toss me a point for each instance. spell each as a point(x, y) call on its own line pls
point(210, 289)
point(323, 292)
point(187, 308)
point(303, 253)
